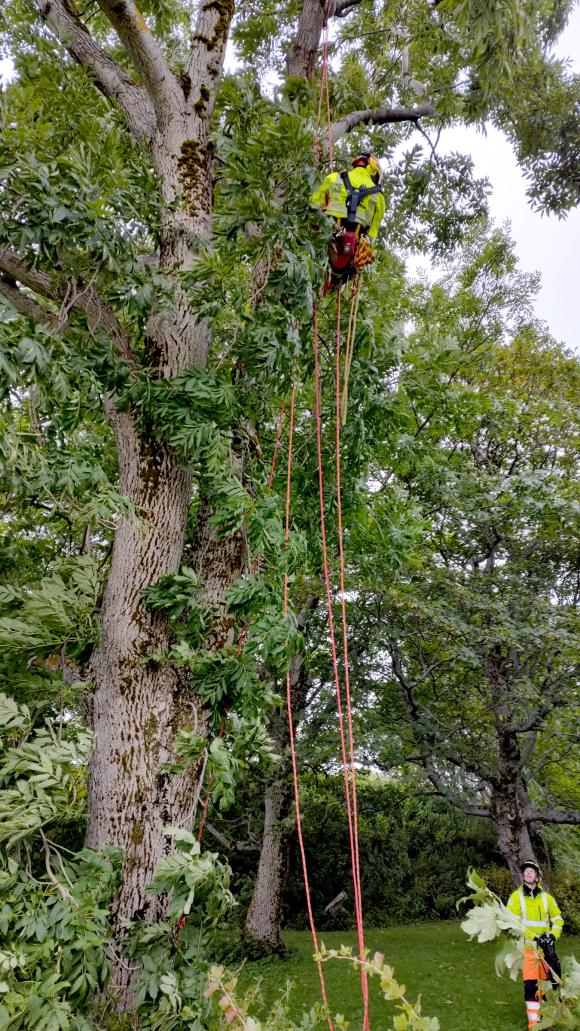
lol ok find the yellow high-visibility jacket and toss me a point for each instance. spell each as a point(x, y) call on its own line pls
point(538, 910)
point(331, 197)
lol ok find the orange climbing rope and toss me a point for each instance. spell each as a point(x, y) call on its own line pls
point(291, 725)
point(349, 770)
point(349, 766)
point(276, 446)
point(348, 762)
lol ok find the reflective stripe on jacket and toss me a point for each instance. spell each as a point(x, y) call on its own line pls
point(331, 197)
point(539, 912)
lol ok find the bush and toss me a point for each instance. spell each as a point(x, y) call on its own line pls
point(414, 853)
point(499, 879)
point(566, 891)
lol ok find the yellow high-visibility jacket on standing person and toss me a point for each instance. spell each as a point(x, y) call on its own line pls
point(331, 197)
point(539, 911)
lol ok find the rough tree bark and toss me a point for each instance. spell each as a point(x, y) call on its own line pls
point(264, 917)
point(510, 803)
point(510, 813)
point(301, 57)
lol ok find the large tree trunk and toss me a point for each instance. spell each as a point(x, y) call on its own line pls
point(510, 803)
point(264, 918)
point(514, 841)
point(301, 58)
point(138, 706)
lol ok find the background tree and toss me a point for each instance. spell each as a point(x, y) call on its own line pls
point(473, 635)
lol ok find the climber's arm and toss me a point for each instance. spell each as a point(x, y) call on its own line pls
point(378, 216)
point(322, 195)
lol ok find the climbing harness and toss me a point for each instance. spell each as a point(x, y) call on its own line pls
point(355, 195)
point(350, 250)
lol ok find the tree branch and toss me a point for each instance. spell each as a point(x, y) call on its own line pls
point(534, 720)
point(62, 890)
point(25, 304)
point(211, 32)
point(430, 738)
point(63, 19)
point(73, 296)
point(471, 809)
point(343, 7)
point(553, 816)
point(380, 116)
point(141, 46)
point(528, 750)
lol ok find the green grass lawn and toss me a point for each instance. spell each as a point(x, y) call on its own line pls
point(455, 977)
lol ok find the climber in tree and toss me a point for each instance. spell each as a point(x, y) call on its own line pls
point(542, 922)
point(356, 202)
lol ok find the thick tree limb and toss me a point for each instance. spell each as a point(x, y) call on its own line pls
point(470, 808)
point(24, 303)
point(63, 19)
point(73, 296)
point(210, 36)
point(534, 720)
point(342, 8)
point(141, 46)
point(380, 116)
point(301, 57)
point(553, 816)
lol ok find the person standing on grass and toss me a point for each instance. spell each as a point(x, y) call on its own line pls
point(542, 922)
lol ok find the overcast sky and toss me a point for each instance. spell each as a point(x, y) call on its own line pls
point(545, 244)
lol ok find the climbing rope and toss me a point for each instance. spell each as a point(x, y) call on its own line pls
point(355, 294)
point(348, 760)
point(357, 878)
point(341, 404)
point(349, 347)
point(349, 774)
point(291, 726)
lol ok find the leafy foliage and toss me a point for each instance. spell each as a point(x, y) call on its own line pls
point(81, 204)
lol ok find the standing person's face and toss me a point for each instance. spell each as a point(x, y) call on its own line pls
point(530, 877)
